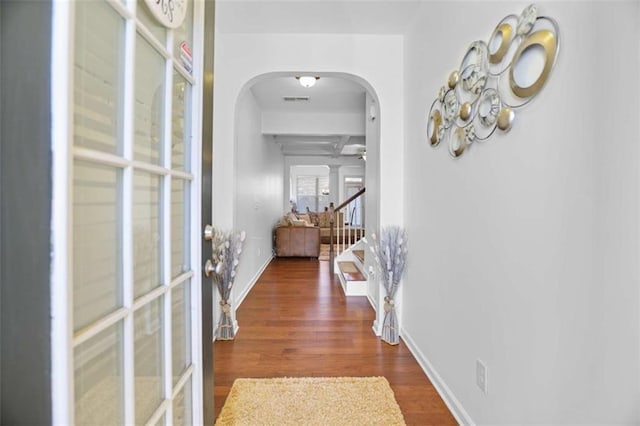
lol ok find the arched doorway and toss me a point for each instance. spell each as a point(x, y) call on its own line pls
point(272, 138)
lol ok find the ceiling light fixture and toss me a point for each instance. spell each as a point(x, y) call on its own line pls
point(307, 80)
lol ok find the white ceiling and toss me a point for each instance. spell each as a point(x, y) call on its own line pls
point(329, 94)
point(315, 16)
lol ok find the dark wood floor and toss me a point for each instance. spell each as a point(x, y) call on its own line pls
point(297, 322)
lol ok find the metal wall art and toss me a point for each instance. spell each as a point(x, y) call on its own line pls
point(494, 80)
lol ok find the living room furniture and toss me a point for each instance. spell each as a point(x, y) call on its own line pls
point(347, 234)
point(297, 241)
point(324, 222)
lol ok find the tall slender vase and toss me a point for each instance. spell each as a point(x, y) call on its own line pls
point(224, 331)
point(226, 254)
point(390, 253)
point(390, 332)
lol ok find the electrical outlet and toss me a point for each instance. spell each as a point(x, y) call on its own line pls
point(481, 376)
point(259, 252)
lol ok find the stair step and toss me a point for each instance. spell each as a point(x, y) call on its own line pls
point(359, 254)
point(350, 271)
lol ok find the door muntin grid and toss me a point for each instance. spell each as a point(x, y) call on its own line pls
point(132, 271)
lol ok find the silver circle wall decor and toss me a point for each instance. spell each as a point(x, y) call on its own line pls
point(494, 79)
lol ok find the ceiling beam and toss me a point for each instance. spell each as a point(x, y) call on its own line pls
point(337, 148)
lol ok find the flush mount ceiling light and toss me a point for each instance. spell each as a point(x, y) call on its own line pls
point(307, 80)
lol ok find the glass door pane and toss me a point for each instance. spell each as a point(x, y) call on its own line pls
point(150, 23)
point(146, 232)
point(97, 242)
point(180, 122)
point(99, 47)
point(181, 329)
point(179, 226)
point(149, 102)
point(148, 367)
point(182, 412)
point(184, 33)
point(99, 385)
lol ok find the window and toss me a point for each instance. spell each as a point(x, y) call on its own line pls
point(312, 192)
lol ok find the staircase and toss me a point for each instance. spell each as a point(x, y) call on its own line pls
point(350, 246)
point(351, 271)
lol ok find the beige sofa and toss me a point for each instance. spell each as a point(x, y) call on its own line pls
point(297, 241)
point(321, 220)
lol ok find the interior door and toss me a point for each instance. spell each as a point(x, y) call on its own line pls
point(128, 339)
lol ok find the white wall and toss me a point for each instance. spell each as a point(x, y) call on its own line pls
point(349, 171)
point(282, 123)
point(524, 252)
point(258, 192)
point(372, 207)
point(304, 170)
point(374, 60)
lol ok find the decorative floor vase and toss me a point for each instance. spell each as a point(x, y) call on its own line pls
point(224, 331)
point(390, 332)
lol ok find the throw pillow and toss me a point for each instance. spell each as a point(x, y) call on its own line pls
point(305, 217)
point(291, 218)
point(315, 219)
point(324, 220)
point(284, 221)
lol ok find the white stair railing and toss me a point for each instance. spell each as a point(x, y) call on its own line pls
point(347, 232)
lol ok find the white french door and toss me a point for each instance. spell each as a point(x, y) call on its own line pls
point(126, 280)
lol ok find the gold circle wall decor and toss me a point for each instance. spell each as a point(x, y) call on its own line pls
point(435, 124)
point(483, 94)
point(505, 32)
point(547, 40)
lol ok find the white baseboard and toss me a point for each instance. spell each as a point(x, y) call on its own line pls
point(242, 296)
point(253, 282)
point(371, 302)
point(376, 329)
point(456, 408)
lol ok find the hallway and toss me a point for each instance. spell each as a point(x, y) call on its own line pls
point(296, 322)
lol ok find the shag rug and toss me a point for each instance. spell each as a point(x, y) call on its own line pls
point(324, 251)
point(311, 401)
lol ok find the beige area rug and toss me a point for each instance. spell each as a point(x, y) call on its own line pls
point(311, 401)
point(324, 251)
